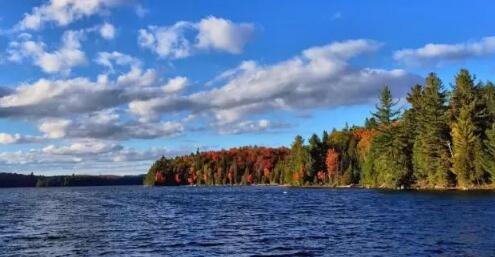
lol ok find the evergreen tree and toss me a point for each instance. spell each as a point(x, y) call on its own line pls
point(462, 95)
point(299, 162)
point(489, 156)
point(370, 123)
point(467, 113)
point(465, 146)
point(431, 146)
point(385, 114)
point(389, 162)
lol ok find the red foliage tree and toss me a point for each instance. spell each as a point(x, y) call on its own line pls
point(160, 178)
point(332, 162)
point(178, 179)
point(321, 175)
point(249, 179)
point(365, 136)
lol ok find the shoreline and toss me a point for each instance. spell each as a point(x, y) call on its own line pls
point(419, 189)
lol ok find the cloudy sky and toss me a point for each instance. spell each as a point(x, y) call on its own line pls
point(107, 86)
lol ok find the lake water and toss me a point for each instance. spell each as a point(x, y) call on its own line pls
point(244, 221)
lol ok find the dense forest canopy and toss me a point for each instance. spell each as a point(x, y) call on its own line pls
point(443, 139)
point(20, 180)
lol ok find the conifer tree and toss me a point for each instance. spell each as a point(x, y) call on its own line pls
point(385, 114)
point(489, 155)
point(465, 144)
point(317, 156)
point(467, 114)
point(431, 147)
point(299, 162)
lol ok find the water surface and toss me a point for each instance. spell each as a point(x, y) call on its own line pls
point(244, 221)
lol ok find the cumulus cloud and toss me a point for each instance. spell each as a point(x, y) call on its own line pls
point(17, 138)
point(137, 77)
point(167, 41)
point(249, 126)
point(107, 31)
point(221, 34)
point(55, 98)
point(83, 148)
point(69, 55)
point(64, 12)
point(185, 38)
point(439, 54)
point(88, 157)
point(318, 77)
point(175, 85)
point(46, 98)
point(107, 125)
point(110, 59)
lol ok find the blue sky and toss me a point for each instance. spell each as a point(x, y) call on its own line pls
point(107, 86)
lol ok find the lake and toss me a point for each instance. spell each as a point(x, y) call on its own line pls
point(244, 221)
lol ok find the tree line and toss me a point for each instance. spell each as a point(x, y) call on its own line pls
point(444, 138)
point(31, 180)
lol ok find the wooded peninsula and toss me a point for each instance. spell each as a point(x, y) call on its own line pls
point(443, 139)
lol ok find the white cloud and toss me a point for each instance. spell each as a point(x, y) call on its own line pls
point(17, 138)
point(87, 157)
point(83, 148)
point(54, 128)
point(107, 125)
point(107, 31)
point(167, 41)
point(210, 33)
point(64, 12)
point(440, 54)
point(56, 98)
point(175, 85)
point(220, 34)
point(69, 55)
point(138, 77)
point(109, 59)
point(319, 77)
point(249, 126)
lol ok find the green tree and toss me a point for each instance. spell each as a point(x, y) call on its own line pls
point(298, 163)
point(385, 113)
point(468, 121)
point(316, 148)
point(489, 156)
point(388, 164)
point(431, 146)
point(466, 147)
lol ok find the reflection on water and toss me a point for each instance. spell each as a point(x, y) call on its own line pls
point(244, 221)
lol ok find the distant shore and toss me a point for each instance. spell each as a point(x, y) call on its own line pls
point(10, 180)
point(22, 180)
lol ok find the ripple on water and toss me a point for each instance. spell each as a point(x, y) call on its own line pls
point(243, 221)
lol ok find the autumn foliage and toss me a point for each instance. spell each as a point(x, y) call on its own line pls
point(332, 162)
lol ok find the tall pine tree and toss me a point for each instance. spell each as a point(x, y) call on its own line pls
point(431, 155)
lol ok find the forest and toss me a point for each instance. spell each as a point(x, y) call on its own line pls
point(31, 180)
point(441, 139)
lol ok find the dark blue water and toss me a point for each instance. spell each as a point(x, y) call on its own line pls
point(243, 221)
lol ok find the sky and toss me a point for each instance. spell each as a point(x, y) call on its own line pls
point(109, 86)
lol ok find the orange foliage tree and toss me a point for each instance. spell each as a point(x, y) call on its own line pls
point(332, 162)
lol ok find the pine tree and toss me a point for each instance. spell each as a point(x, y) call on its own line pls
point(489, 155)
point(467, 113)
point(299, 162)
point(385, 114)
point(388, 163)
point(317, 156)
point(465, 145)
point(431, 146)
point(462, 95)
